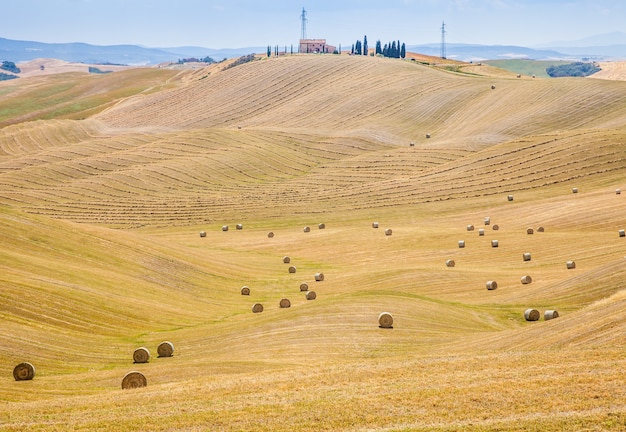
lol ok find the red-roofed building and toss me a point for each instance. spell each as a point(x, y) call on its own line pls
point(315, 46)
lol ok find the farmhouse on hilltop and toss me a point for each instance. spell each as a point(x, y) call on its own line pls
point(312, 45)
point(315, 46)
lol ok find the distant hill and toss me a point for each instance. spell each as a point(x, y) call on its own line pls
point(22, 51)
point(601, 40)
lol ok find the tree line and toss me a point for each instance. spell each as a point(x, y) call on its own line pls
point(392, 49)
point(576, 69)
point(10, 66)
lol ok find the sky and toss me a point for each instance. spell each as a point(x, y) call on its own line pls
point(253, 23)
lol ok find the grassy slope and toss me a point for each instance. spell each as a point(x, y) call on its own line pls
point(78, 298)
point(74, 95)
point(527, 67)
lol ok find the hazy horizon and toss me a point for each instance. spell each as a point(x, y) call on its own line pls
point(242, 23)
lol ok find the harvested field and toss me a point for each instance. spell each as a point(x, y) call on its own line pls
point(613, 70)
point(99, 220)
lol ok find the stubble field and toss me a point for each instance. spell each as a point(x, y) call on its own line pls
point(100, 220)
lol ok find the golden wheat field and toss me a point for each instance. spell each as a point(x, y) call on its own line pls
point(138, 217)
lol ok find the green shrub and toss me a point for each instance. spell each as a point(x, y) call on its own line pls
point(241, 60)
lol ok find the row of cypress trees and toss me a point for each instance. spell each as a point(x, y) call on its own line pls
point(392, 49)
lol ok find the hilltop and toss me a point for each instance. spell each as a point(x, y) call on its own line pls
point(102, 205)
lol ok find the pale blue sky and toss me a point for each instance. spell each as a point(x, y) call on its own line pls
point(245, 23)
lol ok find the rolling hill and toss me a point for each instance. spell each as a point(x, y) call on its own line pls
point(100, 211)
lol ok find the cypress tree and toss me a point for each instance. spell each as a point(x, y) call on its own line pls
point(365, 48)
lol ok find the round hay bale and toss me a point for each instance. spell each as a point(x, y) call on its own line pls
point(570, 265)
point(141, 355)
point(134, 380)
point(270, 234)
point(306, 229)
point(461, 244)
point(239, 226)
point(526, 280)
point(165, 349)
point(519, 75)
point(618, 191)
point(574, 190)
point(491, 285)
point(304, 286)
point(510, 197)
point(321, 226)
point(481, 232)
point(225, 228)
point(310, 295)
point(526, 256)
point(493, 87)
point(540, 229)
point(470, 227)
point(385, 320)
point(24, 372)
point(284, 303)
point(450, 263)
point(257, 308)
point(319, 277)
point(496, 227)
point(412, 144)
point(202, 233)
point(531, 314)
point(534, 76)
point(530, 231)
point(374, 224)
point(550, 314)
point(245, 290)
point(487, 220)
point(286, 259)
point(388, 232)
point(622, 233)
point(292, 269)
point(494, 243)
point(427, 135)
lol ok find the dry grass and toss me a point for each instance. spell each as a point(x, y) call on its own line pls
point(99, 221)
point(614, 70)
point(76, 95)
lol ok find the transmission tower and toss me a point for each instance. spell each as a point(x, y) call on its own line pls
point(304, 20)
point(443, 40)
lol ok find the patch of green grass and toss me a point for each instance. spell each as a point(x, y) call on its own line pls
point(75, 95)
point(526, 67)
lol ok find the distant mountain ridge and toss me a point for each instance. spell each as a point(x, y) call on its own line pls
point(467, 52)
point(21, 51)
point(601, 40)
